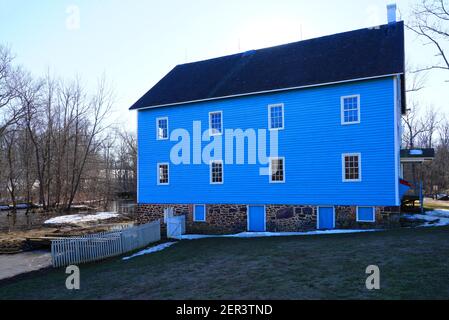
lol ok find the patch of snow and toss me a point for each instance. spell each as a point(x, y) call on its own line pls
point(79, 206)
point(273, 234)
point(78, 218)
point(436, 218)
point(441, 213)
point(157, 248)
point(416, 152)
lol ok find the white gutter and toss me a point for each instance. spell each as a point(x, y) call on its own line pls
point(270, 91)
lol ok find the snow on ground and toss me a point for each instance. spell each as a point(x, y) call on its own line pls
point(157, 248)
point(433, 219)
point(436, 218)
point(273, 234)
point(441, 213)
point(77, 218)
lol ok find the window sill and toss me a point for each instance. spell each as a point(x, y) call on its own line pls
point(350, 123)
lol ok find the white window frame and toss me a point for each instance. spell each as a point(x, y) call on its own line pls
point(222, 171)
point(269, 116)
point(211, 133)
point(157, 128)
point(158, 173)
point(270, 169)
point(343, 167)
point(374, 214)
point(342, 106)
point(205, 212)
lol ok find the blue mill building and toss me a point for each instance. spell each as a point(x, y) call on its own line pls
point(334, 105)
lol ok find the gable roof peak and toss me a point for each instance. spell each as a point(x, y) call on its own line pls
point(364, 53)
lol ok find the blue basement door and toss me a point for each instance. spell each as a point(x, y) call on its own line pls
point(256, 219)
point(326, 218)
point(199, 214)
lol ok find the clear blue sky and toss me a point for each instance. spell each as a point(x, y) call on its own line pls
point(135, 43)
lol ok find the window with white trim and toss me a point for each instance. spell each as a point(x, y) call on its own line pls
point(162, 128)
point(216, 172)
point(216, 123)
point(350, 109)
point(163, 173)
point(351, 163)
point(277, 170)
point(276, 116)
point(366, 214)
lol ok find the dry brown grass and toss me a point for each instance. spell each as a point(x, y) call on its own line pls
point(413, 264)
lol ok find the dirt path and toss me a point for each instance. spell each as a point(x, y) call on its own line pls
point(15, 264)
point(435, 204)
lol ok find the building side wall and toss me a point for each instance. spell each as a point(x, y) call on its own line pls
point(312, 144)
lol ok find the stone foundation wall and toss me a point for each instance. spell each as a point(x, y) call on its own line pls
point(227, 219)
point(220, 219)
point(286, 218)
point(153, 212)
point(346, 218)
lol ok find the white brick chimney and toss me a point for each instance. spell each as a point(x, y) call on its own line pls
point(391, 12)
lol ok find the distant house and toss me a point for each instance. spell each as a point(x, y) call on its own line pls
point(335, 104)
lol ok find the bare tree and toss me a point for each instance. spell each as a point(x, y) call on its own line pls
point(9, 113)
point(9, 140)
point(415, 80)
point(430, 123)
point(430, 21)
point(413, 126)
point(100, 106)
point(58, 148)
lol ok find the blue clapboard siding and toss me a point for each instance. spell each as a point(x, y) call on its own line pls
point(312, 143)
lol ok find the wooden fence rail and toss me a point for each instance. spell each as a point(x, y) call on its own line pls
point(94, 247)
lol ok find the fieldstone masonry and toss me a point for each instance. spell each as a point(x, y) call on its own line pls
point(227, 219)
point(285, 218)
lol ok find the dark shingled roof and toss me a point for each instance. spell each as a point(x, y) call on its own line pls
point(346, 56)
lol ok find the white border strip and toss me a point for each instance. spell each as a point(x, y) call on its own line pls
point(269, 91)
point(397, 146)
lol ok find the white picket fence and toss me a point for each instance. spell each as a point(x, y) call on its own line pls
point(94, 247)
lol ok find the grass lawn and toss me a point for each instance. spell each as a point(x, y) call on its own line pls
point(414, 264)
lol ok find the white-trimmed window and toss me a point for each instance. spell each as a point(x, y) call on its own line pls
point(216, 123)
point(350, 109)
point(216, 172)
point(276, 116)
point(366, 214)
point(163, 174)
point(162, 128)
point(277, 170)
point(351, 167)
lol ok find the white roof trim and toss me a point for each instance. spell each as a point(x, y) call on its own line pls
point(269, 91)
